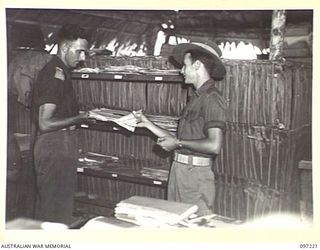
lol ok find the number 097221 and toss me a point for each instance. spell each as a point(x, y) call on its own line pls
point(308, 246)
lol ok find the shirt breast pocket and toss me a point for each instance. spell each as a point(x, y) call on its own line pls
point(192, 115)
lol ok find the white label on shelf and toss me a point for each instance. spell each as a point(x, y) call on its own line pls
point(85, 76)
point(157, 182)
point(84, 126)
point(158, 78)
point(80, 170)
point(117, 76)
point(114, 175)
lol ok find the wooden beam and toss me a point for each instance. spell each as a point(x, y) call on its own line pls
point(277, 34)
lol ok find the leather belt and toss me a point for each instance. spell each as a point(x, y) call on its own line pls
point(73, 127)
point(193, 160)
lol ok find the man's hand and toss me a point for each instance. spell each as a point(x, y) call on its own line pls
point(168, 143)
point(142, 120)
point(86, 117)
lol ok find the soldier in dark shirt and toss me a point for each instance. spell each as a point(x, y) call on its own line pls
point(55, 114)
point(201, 127)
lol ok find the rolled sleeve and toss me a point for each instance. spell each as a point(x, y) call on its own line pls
point(214, 113)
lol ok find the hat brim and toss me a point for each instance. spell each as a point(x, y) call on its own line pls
point(178, 55)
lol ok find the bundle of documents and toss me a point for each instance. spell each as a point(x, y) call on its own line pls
point(127, 121)
point(155, 173)
point(129, 69)
point(169, 123)
point(93, 159)
point(152, 212)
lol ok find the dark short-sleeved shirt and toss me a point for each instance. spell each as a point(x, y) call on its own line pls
point(205, 109)
point(54, 85)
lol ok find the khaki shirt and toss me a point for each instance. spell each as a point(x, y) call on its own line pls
point(206, 109)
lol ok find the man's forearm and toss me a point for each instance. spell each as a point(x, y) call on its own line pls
point(53, 124)
point(209, 145)
point(159, 132)
point(204, 146)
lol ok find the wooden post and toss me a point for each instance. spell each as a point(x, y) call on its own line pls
point(277, 34)
point(150, 38)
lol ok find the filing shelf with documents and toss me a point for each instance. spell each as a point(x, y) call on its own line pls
point(112, 127)
point(100, 189)
point(119, 175)
point(120, 78)
point(105, 76)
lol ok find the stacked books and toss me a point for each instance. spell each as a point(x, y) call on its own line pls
point(152, 212)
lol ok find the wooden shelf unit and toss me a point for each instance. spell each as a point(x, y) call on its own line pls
point(96, 182)
point(132, 77)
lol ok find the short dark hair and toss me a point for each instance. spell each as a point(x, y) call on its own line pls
point(71, 32)
point(206, 59)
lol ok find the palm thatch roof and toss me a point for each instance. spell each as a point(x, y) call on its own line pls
point(140, 27)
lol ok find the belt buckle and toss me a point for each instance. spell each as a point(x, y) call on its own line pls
point(194, 160)
point(197, 161)
point(181, 158)
point(184, 158)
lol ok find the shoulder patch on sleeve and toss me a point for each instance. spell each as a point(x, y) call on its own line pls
point(59, 74)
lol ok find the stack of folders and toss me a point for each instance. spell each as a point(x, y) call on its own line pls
point(154, 173)
point(152, 212)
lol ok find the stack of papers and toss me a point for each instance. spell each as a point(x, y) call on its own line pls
point(93, 159)
point(128, 121)
point(155, 173)
point(152, 212)
point(169, 123)
point(129, 69)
